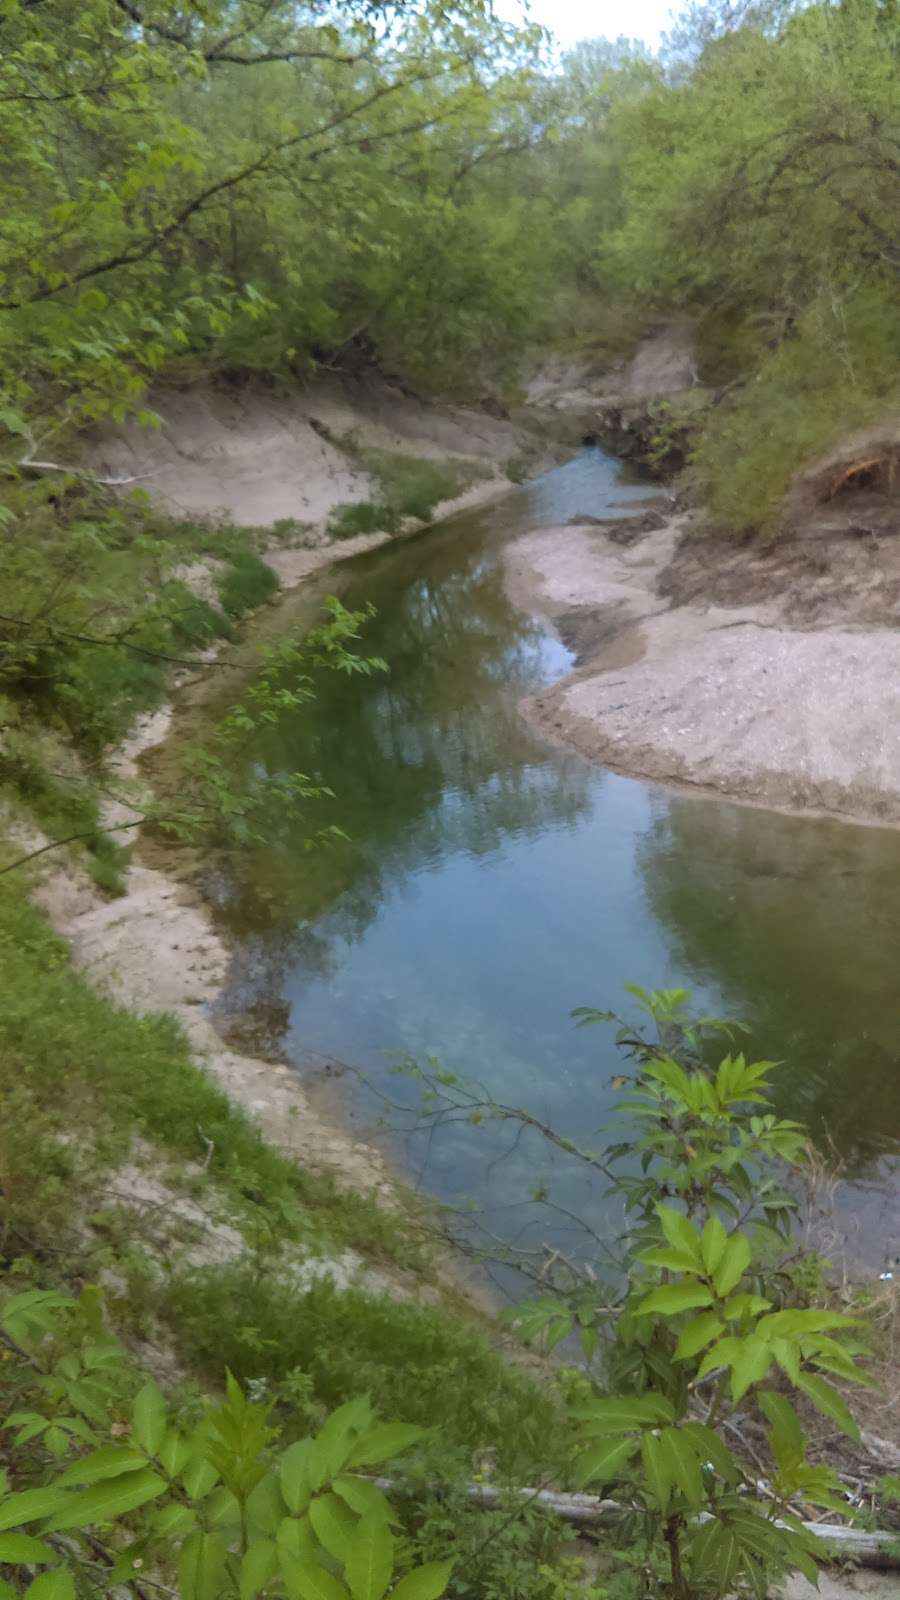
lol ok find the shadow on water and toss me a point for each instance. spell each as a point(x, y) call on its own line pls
point(490, 883)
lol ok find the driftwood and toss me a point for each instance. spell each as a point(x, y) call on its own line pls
point(81, 472)
point(839, 1543)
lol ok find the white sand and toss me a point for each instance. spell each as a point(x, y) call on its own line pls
point(733, 699)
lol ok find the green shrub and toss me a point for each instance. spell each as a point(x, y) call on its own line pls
point(409, 486)
point(511, 1553)
point(412, 486)
point(229, 1506)
point(362, 516)
point(197, 624)
point(246, 583)
point(836, 373)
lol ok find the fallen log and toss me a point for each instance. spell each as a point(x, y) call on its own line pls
point(880, 1549)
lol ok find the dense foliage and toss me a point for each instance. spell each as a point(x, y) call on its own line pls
point(250, 183)
point(751, 184)
point(249, 186)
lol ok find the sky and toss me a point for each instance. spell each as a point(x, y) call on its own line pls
point(571, 20)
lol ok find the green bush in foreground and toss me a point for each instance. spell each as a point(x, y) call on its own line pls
point(222, 1508)
point(697, 1323)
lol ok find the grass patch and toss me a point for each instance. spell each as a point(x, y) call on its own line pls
point(246, 583)
point(414, 487)
point(99, 1075)
point(362, 516)
point(79, 1079)
point(39, 778)
point(414, 1362)
point(408, 486)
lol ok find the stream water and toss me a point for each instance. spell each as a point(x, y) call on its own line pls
point(490, 883)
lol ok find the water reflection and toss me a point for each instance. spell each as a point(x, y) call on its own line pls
point(797, 924)
point(489, 884)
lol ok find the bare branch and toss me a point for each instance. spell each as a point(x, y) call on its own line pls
point(81, 472)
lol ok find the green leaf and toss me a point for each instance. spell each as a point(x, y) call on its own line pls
point(369, 1561)
point(265, 1505)
point(306, 1580)
point(55, 1585)
point(722, 1354)
point(199, 1477)
point(698, 1333)
point(174, 1521)
point(828, 1401)
point(656, 1470)
point(363, 1497)
point(292, 1475)
point(624, 1413)
point(381, 1443)
point(788, 1357)
point(16, 1547)
point(174, 1453)
point(109, 1462)
point(681, 1234)
point(602, 1461)
point(257, 1566)
point(683, 1466)
point(750, 1364)
point(333, 1524)
point(713, 1244)
point(794, 1324)
point(734, 1263)
point(671, 1260)
point(30, 1506)
point(148, 1419)
point(785, 1434)
point(742, 1305)
point(710, 1448)
point(714, 1549)
point(105, 1501)
point(427, 1582)
point(201, 1566)
point(672, 1298)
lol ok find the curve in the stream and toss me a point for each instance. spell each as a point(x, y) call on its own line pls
point(491, 883)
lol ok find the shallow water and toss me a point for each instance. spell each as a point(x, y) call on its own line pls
point(491, 883)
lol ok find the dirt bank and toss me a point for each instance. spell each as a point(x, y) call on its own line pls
point(752, 701)
point(258, 455)
point(156, 949)
point(254, 454)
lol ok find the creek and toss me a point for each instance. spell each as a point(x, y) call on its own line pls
point(490, 883)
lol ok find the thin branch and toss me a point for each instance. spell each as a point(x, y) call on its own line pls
point(72, 838)
point(114, 642)
point(152, 242)
point(81, 472)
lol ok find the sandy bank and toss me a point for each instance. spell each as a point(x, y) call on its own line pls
point(156, 949)
point(256, 454)
point(738, 700)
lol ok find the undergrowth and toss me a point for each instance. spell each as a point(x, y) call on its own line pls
point(97, 613)
point(78, 1070)
point(80, 1080)
point(836, 372)
point(435, 1368)
point(408, 486)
